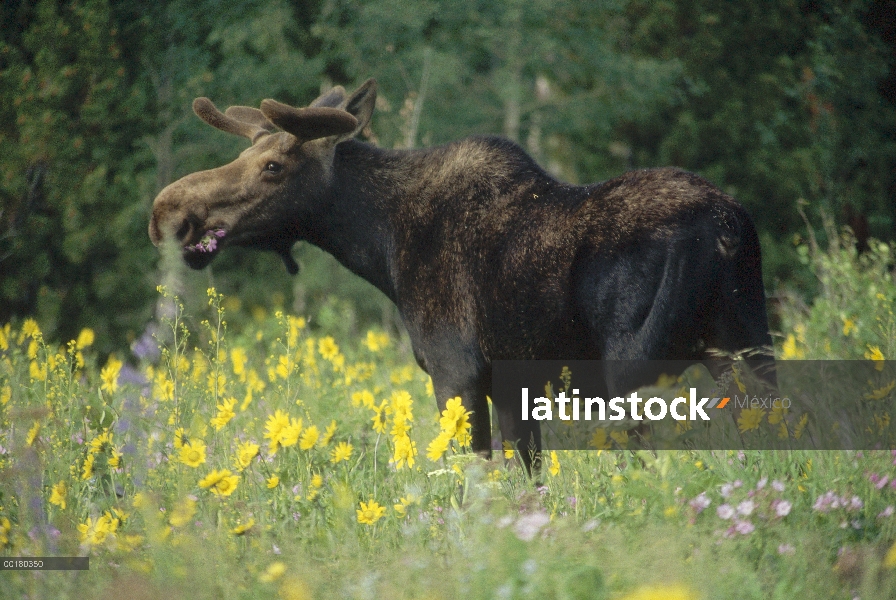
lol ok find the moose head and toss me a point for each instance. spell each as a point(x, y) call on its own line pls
point(257, 200)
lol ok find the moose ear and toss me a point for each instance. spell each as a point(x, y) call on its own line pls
point(309, 123)
point(360, 105)
point(334, 98)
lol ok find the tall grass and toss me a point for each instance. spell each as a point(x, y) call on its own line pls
point(277, 460)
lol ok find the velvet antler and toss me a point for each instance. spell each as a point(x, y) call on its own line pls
point(251, 129)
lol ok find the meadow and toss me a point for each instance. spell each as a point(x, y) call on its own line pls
point(279, 459)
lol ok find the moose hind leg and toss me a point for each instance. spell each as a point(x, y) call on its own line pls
point(646, 305)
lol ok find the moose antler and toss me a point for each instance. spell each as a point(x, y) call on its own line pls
point(309, 123)
point(251, 128)
point(247, 114)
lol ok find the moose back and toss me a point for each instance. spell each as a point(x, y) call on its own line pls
point(486, 256)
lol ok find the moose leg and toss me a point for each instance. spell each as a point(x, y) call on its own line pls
point(526, 435)
point(639, 308)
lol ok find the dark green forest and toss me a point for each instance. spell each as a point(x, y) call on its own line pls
point(784, 105)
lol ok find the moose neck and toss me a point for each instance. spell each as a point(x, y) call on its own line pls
point(381, 201)
point(355, 220)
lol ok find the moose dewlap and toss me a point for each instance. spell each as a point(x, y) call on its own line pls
point(486, 256)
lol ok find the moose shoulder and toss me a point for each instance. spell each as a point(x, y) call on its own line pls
point(486, 255)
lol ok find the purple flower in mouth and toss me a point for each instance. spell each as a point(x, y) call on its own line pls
point(209, 242)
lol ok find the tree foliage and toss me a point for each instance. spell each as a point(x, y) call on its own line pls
point(772, 102)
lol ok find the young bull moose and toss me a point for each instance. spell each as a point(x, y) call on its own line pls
point(486, 256)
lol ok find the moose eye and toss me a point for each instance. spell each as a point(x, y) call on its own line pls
point(273, 167)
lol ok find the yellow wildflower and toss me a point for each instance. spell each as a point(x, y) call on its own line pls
point(309, 438)
point(290, 435)
point(328, 433)
point(193, 453)
point(455, 421)
point(275, 425)
point(109, 375)
point(849, 325)
point(180, 438)
point(284, 367)
point(403, 503)
point(672, 591)
point(342, 451)
point(100, 442)
point(96, 532)
point(182, 512)
point(29, 329)
point(405, 451)
point(380, 417)
point(57, 494)
point(273, 572)
point(801, 426)
point(238, 359)
point(363, 398)
point(85, 339)
point(246, 451)
point(328, 348)
point(87, 468)
point(37, 371)
point(317, 481)
point(220, 483)
point(273, 481)
point(889, 559)
point(777, 415)
point(508, 449)
point(370, 512)
point(242, 529)
point(402, 375)
point(32, 433)
point(877, 356)
point(438, 446)
point(375, 341)
point(554, 469)
point(225, 414)
point(5, 528)
point(749, 419)
point(882, 392)
point(620, 437)
point(115, 458)
point(5, 394)
point(600, 440)
point(790, 350)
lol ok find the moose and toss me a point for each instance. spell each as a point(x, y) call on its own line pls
point(486, 256)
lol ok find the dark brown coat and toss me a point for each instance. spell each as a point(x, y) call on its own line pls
point(486, 256)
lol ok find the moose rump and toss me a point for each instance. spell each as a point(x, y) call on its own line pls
point(486, 256)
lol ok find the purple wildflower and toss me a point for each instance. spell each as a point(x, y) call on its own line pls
point(786, 549)
point(778, 486)
point(887, 512)
point(700, 503)
point(725, 511)
point(744, 527)
point(782, 507)
point(746, 508)
point(528, 526)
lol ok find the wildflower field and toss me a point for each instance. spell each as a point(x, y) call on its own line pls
point(272, 460)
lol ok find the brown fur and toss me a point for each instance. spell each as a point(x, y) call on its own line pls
point(486, 256)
